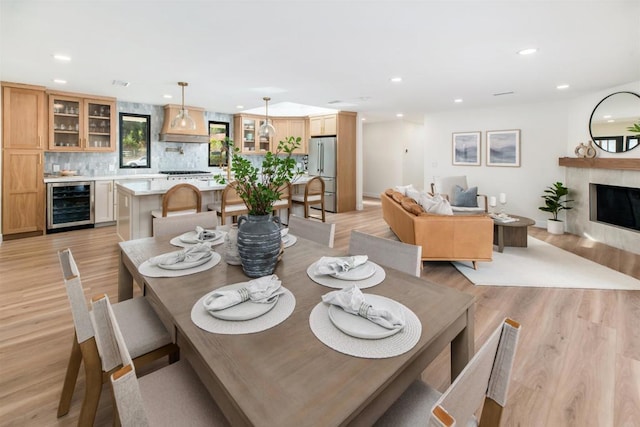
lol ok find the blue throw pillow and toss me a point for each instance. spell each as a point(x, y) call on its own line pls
point(465, 198)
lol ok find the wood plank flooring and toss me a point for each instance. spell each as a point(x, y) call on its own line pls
point(578, 361)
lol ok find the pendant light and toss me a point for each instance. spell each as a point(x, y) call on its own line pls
point(182, 120)
point(267, 130)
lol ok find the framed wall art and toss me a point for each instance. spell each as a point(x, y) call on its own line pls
point(503, 148)
point(466, 148)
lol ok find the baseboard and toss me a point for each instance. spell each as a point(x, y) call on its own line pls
point(372, 195)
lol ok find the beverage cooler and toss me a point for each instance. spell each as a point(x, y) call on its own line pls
point(69, 205)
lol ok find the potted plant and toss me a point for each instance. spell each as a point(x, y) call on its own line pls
point(554, 203)
point(259, 187)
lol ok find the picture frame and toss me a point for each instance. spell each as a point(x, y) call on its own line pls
point(503, 148)
point(466, 148)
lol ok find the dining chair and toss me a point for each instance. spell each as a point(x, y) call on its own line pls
point(144, 334)
point(181, 199)
point(169, 396)
point(390, 253)
point(313, 195)
point(320, 232)
point(230, 203)
point(284, 202)
point(446, 186)
point(483, 382)
point(175, 225)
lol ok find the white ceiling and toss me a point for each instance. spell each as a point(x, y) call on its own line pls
point(330, 54)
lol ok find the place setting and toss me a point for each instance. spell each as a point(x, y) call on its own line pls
point(197, 236)
point(245, 307)
point(364, 325)
point(194, 259)
point(288, 239)
point(341, 272)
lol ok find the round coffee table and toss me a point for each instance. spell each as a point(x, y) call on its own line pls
point(511, 233)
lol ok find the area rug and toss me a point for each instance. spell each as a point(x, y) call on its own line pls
point(543, 265)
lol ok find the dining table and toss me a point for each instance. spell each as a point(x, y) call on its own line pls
point(284, 375)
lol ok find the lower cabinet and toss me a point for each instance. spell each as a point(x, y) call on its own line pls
point(104, 201)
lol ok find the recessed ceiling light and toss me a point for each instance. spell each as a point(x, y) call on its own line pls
point(459, 100)
point(60, 57)
point(396, 79)
point(120, 83)
point(239, 107)
point(167, 96)
point(606, 116)
point(610, 121)
point(363, 119)
point(60, 81)
point(399, 115)
point(528, 51)
point(565, 86)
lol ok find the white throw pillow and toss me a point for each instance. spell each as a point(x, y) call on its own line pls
point(403, 188)
point(435, 204)
point(413, 193)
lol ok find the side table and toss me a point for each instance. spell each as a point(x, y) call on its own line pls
point(511, 233)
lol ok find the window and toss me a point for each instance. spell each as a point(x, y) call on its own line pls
point(135, 142)
point(218, 143)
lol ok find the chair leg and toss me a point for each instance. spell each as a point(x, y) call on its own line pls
point(93, 379)
point(322, 208)
point(475, 264)
point(70, 378)
point(306, 210)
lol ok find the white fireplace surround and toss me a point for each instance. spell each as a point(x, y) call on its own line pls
point(578, 221)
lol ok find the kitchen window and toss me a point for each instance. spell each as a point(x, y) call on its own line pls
point(135, 140)
point(218, 143)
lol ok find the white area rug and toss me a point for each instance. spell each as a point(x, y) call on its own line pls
point(543, 265)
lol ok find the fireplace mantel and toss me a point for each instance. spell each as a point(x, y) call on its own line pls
point(603, 163)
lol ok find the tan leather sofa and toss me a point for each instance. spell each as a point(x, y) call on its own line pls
point(442, 237)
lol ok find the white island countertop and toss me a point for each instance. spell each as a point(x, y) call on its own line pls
point(146, 188)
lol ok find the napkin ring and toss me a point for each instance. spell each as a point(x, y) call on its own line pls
point(244, 294)
point(364, 309)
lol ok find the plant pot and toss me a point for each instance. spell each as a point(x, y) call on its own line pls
point(555, 227)
point(259, 243)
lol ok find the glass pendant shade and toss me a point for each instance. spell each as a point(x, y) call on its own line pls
point(182, 120)
point(266, 129)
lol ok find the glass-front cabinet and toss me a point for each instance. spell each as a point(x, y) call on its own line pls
point(248, 135)
point(81, 124)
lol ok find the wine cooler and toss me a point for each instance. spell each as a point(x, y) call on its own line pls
point(69, 205)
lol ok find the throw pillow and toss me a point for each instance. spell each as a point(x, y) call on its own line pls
point(413, 193)
point(397, 196)
point(403, 188)
point(435, 204)
point(411, 206)
point(389, 192)
point(465, 198)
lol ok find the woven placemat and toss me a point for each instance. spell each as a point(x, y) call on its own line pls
point(332, 282)
point(395, 345)
point(278, 314)
point(149, 270)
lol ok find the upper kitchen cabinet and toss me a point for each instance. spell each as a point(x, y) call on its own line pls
point(323, 125)
point(247, 139)
point(79, 123)
point(291, 126)
point(24, 117)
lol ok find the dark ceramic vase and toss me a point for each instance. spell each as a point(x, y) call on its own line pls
point(259, 243)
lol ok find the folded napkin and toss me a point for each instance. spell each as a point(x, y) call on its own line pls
point(191, 254)
point(263, 290)
point(337, 265)
point(202, 234)
point(352, 301)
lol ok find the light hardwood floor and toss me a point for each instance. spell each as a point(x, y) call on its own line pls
point(578, 361)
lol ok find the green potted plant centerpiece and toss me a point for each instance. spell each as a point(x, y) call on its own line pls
point(554, 203)
point(260, 186)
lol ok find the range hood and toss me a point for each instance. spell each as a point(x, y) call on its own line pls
point(199, 135)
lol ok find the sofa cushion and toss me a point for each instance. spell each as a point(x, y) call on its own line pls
point(389, 192)
point(411, 206)
point(403, 188)
point(465, 198)
point(397, 196)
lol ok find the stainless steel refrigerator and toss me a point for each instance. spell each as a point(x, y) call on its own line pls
point(322, 163)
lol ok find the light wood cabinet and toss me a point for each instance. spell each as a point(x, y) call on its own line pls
point(104, 201)
point(291, 126)
point(323, 125)
point(246, 135)
point(23, 135)
point(79, 123)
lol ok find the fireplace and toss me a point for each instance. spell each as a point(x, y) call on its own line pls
point(614, 205)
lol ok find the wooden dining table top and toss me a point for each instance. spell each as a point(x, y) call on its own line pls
point(285, 376)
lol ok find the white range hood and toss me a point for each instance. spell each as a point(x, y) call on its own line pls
point(198, 135)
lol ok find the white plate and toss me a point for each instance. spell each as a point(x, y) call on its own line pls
point(186, 265)
point(361, 272)
point(358, 326)
point(190, 237)
point(244, 311)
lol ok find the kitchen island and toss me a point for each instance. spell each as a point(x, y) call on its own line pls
point(137, 199)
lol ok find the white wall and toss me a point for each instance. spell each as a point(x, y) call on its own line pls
point(543, 139)
point(392, 154)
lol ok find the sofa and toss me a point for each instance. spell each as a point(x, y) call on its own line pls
point(442, 237)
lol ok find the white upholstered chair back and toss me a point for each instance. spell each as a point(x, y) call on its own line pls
point(176, 225)
point(319, 232)
point(390, 253)
point(79, 310)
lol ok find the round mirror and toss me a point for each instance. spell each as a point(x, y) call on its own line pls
point(611, 119)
